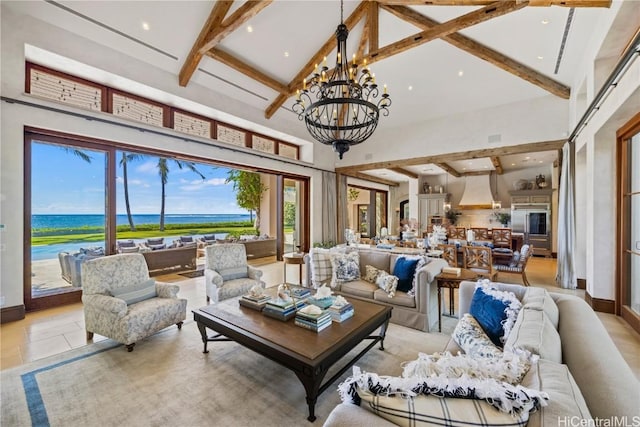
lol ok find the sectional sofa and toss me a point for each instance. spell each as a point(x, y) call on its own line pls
point(580, 368)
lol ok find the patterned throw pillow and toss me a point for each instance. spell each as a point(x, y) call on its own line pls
point(442, 401)
point(387, 283)
point(471, 338)
point(320, 261)
point(346, 267)
point(371, 273)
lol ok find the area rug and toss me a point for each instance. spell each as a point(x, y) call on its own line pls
point(192, 274)
point(168, 381)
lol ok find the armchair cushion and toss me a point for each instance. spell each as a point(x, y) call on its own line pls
point(137, 292)
point(105, 303)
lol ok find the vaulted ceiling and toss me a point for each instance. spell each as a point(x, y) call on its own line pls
point(437, 57)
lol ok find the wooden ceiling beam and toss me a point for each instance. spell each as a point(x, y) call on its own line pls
point(316, 59)
point(245, 12)
point(374, 27)
point(371, 178)
point(218, 12)
point(495, 160)
point(531, 147)
point(405, 172)
point(535, 3)
point(449, 27)
point(476, 173)
point(447, 167)
point(483, 52)
point(246, 69)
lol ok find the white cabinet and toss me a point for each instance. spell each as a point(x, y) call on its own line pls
point(430, 205)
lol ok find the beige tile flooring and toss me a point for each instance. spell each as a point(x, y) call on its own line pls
point(48, 332)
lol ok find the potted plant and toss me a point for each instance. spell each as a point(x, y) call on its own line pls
point(503, 218)
point(452, 216)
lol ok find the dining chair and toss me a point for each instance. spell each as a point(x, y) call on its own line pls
point(501, 238)
point(479, 260)
point(450, 254)
point(481, 233)
point(457, 233)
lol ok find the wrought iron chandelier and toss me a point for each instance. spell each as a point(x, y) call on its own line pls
point(339, 107)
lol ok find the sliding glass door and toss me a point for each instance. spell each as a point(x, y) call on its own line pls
point(293, 202)
point(66, 204)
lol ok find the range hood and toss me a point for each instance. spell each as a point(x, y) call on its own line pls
point(477, 193)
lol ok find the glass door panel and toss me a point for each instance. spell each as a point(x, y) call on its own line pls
point(634, 219)
point(68, 198)
point(293, 220)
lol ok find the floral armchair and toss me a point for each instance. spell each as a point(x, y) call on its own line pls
point(227, 273)
point(140, 306)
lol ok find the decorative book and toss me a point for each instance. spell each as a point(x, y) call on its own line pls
point(322, 302)
point(252, 304)
point(452, 270)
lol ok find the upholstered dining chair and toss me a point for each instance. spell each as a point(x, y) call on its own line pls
point(518, 263)
point(478, 259)
point(121, 302)
point(227, 273)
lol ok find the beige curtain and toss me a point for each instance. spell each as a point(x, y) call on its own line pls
point(329, 207)
point(342, 207)
point(566, 271)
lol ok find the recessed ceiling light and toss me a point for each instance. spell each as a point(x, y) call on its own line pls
point(540, 57)
point(527, 158)
point(513, 164)
point(486, 167)
point(249, 29)
point(460, 73)
point(464, 169)
point(544, 21)
point(145, 26)
point(410, 88)
point(286, 54)
point(540, 161)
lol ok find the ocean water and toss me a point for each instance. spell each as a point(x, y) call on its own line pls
point(70, 221)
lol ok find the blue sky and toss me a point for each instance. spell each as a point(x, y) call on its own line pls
point(63, 183)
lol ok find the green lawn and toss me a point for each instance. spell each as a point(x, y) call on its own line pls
point(55, 236)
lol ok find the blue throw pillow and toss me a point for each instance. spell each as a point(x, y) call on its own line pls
point(404, 270)
point(490, 313)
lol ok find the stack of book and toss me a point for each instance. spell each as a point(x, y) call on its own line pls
point(323, 303)
point(300, 293)
point(342, 313)
point(256, 303)
point(313, 322)
point(282, 309)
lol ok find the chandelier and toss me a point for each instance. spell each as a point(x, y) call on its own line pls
point(339, 107)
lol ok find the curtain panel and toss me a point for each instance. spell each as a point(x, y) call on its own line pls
point(329, 207)
point(566, 270)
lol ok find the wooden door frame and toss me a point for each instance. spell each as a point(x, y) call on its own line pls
point(623, 231)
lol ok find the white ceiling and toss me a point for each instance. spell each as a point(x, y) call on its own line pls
point(444, 80)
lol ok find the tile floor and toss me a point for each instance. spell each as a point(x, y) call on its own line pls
point(48, 332)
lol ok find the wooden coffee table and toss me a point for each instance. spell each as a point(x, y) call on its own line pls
point(451, 282)
point(308, 354)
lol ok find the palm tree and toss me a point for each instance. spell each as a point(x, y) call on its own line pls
point(126, 158)
point(78, 153)
point(163, 170)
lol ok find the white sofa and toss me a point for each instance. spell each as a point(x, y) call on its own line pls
point(590, 382)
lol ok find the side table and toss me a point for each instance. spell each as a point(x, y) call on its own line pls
point(451, 282)
point(294, 259)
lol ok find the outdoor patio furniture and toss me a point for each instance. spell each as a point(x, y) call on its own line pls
point(162, 261)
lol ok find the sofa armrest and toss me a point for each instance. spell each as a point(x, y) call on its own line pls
point(254, 273)
point(166, 290)
point(349, 415)
point(425, 286)
point(105, 303)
